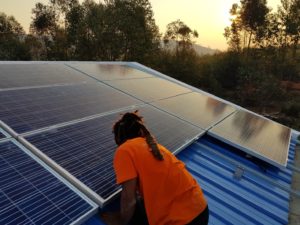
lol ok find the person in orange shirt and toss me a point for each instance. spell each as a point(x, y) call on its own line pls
point(148, 171)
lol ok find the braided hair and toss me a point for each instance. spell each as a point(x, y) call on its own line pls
point(131, 126)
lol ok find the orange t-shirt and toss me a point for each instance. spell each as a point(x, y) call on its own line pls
point(171, 195)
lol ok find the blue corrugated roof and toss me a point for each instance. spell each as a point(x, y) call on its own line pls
point(95, 220)
point(260, 196)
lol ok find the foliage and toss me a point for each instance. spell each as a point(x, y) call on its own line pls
point(248, 22)
point(12, 46)
point(182, 34)
point(9, 25)
point(253, 25)
point(115, 30)
point(292, 109)
point(263, 52)
point(132, 25)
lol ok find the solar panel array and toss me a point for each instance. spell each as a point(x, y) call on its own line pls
point(2, 135)
point(255, 135)
point(86, 149)
point(196, 108)
point(28, 75)
point(149, 89)
point(109, 71)
point(64, 113)
point(29, 109)
point(30, 194)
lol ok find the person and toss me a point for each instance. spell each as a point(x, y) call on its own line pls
point(148, 171)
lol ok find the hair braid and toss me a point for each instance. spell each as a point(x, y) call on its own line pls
point(131, 126)
point(151, 143)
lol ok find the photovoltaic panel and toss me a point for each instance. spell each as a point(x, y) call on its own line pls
point(27, 75)
point(149, 89)
point(199, 109)
point(29, 109)
point(31, 194)
point(2, 135)
point(109, 71)
point(170, 131)
point(256, 136)
point(86, 149)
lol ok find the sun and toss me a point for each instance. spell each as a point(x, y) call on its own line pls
point(223, 15)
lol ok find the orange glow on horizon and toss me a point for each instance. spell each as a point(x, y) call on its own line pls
point(209, 18)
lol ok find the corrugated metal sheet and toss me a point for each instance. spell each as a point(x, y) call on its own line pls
point(95, 220)
point(260, 196)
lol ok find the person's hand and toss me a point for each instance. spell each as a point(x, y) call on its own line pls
point(111, 218)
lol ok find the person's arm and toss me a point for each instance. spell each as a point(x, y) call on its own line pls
point(128, 200)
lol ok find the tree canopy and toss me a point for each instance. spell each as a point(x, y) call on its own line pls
point(258, 70)
point(12, 46)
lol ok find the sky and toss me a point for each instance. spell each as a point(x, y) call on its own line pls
point(207, 17)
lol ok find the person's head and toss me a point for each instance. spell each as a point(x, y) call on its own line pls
point(130, 126)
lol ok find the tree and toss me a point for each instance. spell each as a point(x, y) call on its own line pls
point(91, 37)
point(43, 20)
point(12, 34)
point(36, 48)
point(132, 28)
point(115, 30)
point(253, 15)
point(249, 20)
point(9, 25)
point(49, 25)
point(183, 62)
point(182, 34)
point(289, 22)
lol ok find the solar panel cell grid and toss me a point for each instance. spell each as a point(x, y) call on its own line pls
point(149, 89)
point(86, 149)
point(2, 135)
point(256, 136)
point(25, 75)
point(109, 72)
point(30, 194)
point(30, 109)
point(199, 109)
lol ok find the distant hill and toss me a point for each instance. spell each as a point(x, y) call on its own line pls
point(200, 50)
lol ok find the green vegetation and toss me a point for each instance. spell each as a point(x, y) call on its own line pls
point(260, 70)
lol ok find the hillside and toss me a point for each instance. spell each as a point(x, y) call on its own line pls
point(200, 50)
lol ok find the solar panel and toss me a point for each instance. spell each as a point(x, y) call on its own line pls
point(24, 75)
point(29, 109)
point(109, 71)
point(149, 89)
point(256, 136)
point(2, 135)
point(86, 149)
point(199, 109)
point(31, 194)
point(168, 130)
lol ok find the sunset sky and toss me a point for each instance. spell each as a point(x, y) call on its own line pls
point(208, 17)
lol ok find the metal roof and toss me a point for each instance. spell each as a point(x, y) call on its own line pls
point(239, 189)
point(259, 195)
